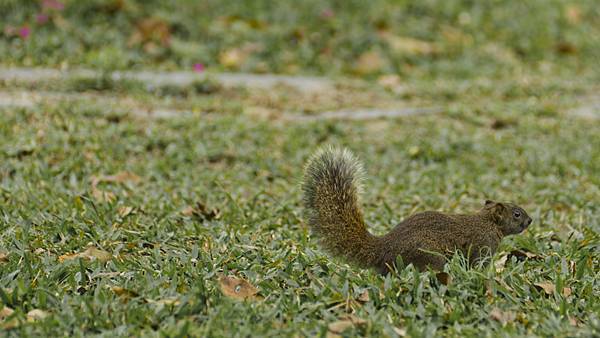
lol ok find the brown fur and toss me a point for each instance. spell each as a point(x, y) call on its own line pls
point(331, 196)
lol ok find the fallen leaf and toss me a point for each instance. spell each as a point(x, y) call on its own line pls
point(151, 30)
point(120, 177)
point(548, 287)
point(521, 255)
point(566, 47)
point(336, 328)
point(502, 316)
point(392, 83)
point(107, 196)
point(407, 45)
point(500, 53)
point(573, 321)
point(444, 278)
point(5, 312)
point(36, 314)
point(91, 253)
point(489, 289)
point(573, 14)
point(369, 62)
point(500, 263)
point(261, 112)
point(102, 196)
point(8, 324)
point(389, 80)
point(413, 151)
point(364, 297)
point(502, 283)
point(567, 291)
point(400, 332)
point(3, 257)
point(501, 124)
point(188, 211)
point(123, 293)
point(456, 37)
point(522, 318)
point(166, 301)
point(201, 211)
point(124, 211)
point(237, 288)
point(233, 58)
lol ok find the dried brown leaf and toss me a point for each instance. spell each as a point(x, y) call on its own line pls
point(573, 321)
point(125, 211)
point(201, 211)
point(3, 257)
point(151, 30)
point(364, 296)
point(567, 291)
point(233, 58)
point(400, 331)
point(166, 301)
point(407, 45)
point(345, 322)
point(393, 83)
point(389, 80)
point(369, 62)
point(188, 211)
point(566, 47)
point(502, 283)
point(106, 196)
point(444, 278)
point(91, 253)
point(500, 263)
point(120, 177)
point(502, 316)
point(5, 312)
point(521, 255)
point(501, 123)
point(103, 196)
point(489, 289)
point(237, 288)
point(548, 287)
point(455, 36)
point(123, 293)
point(36, 314)
point(7, 324)
point(573, 14)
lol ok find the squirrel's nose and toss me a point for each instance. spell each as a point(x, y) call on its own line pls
point(529, 222)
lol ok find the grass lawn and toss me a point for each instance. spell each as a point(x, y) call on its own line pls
point(118, 224)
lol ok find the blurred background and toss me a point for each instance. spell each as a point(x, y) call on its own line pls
point(148, 146)
point(461, 38)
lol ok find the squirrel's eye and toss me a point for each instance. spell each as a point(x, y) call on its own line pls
point(517, 213)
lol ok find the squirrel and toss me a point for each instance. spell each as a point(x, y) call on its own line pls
point(332, 187)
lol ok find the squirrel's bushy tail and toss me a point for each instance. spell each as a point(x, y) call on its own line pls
point(331, 186)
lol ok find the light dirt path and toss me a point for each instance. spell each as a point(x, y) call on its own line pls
point(28, 98)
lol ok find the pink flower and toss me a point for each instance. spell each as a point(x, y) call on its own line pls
point(198, 67)
point(53, 4)
point(41, 18)
point(327, 13)
point(24, 32)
